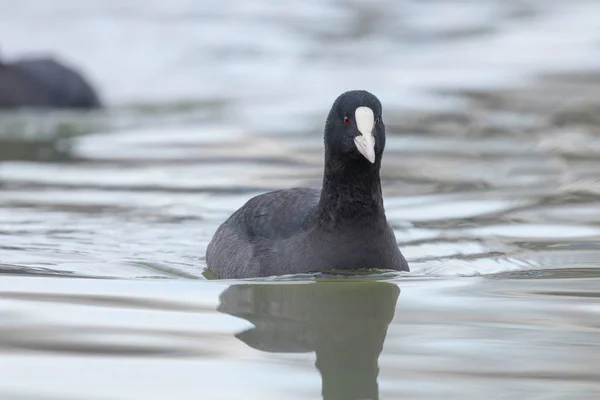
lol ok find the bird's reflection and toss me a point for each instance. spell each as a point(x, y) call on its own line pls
point(344, 323)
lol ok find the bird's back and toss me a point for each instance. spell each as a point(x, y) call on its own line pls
point(66, 87)
point(276, 215)
point(262, 221)
point(44, 83)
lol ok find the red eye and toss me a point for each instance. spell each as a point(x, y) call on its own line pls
point(347, 120)
point(377, 121)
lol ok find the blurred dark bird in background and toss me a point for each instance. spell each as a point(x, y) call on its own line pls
point(44, 83)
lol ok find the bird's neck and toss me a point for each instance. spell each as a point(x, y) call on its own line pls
point(351, 191)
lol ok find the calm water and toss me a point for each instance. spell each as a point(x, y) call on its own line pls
point(491, 179)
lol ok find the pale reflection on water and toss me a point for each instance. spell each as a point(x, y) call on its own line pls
point(491, 182)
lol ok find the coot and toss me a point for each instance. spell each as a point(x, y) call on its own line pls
point(300, 230)
point(44, 83)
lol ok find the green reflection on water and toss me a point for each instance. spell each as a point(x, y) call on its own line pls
point(344, 322)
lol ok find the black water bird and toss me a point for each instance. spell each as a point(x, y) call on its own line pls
point(300, 230)
point(44, 83)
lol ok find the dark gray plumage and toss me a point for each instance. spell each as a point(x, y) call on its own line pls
point(300, 230)
point(44, 83)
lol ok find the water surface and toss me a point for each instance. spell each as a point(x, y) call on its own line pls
point(490, 177)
